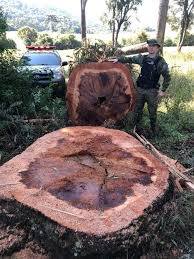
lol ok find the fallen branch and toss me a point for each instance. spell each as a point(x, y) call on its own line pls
point(179, 175)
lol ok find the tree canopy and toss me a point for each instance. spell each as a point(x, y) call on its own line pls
point(118, 15)
point(181, 18)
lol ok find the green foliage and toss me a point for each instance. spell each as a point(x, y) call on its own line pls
point(142, 36)
point(44, 39)
point(4, 42)
point(174, 236)
point(14, 85)
point(178, 8)
point(135, 39)
point(20, 101)
point(181, 18)
point(7, 44)
point(180, 93)
point(67, 42)
point(3, 24)
point(93, 52)
point(169, 43)
point(61, 43)
point(16, 132)
point(118, 15)
point(28, 35)
point(21, 14)
point(189, 39)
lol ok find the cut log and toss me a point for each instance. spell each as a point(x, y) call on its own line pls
point(98, 92)
point(82, 190)
point(133, 49)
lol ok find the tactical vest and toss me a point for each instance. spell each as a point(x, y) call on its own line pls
point(149, 75)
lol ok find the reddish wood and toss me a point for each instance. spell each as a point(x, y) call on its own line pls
point(97, 185)
point(98, 92)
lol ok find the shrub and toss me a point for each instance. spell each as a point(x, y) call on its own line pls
point(3, 24)
point(67, 42)
point(20, 101)
point(44, 39)
point(28, 34)
point(7, 44)
point(142, 37)
point(189, 40)
point(15, 85)
point(169, 43)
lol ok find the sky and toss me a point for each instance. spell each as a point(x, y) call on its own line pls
point(147, 13)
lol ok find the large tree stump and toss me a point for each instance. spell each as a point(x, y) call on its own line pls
point(98, 92)
point(81, 190)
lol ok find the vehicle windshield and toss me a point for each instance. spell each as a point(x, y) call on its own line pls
point(35, 59)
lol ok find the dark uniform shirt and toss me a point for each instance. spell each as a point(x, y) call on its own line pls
point(162, 67)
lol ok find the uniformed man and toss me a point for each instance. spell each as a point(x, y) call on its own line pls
point(148, 88)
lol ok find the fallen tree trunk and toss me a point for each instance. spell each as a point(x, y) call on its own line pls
point(99, 92)
point(79, 191)
point(133, 49)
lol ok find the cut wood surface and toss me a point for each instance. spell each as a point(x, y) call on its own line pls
point(98, 92)
point(101, 187)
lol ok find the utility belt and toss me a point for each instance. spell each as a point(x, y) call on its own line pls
point(147, 86)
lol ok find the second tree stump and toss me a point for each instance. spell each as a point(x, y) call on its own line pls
point(99, 92)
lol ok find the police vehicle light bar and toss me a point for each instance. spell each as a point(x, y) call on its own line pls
point(40, 47)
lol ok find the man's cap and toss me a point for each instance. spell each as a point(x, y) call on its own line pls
point(153, 42)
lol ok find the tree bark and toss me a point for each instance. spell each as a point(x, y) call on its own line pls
point(134, 49)
point(99, 92)
point(183, 26)
point(113, 28)
point(83, 20)
point(162, 18)
point(117, 33)
point(82, 190)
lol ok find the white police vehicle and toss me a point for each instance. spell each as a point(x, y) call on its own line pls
point(46, 67)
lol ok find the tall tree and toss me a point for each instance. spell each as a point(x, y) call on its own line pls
point(83, 19)
point(118, 15)
point(186, 18)
point(181, 18)
point(162, 19)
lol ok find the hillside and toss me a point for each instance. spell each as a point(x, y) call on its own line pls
point(19, 14)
